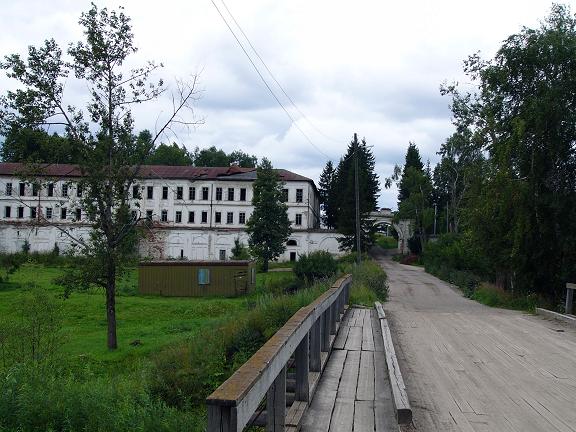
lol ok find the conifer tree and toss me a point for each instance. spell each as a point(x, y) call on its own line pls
point(328, 195)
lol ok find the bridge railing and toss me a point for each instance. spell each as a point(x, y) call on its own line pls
point(307, 339)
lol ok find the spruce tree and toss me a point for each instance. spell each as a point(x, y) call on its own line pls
point(327, 194)
point(268, 227)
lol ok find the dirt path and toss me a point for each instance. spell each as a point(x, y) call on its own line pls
point(469, 367)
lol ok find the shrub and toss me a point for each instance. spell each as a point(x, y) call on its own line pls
point(314, 266)
point(494, 296)
point(240, 251)
point(368, 283)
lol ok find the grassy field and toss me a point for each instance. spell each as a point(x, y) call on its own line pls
point(145, 323)
point(386, 242)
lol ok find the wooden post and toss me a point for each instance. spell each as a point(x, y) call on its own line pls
point(276, 404)
point(220, 419)
point(333, 313)
point(570, 287)
point(341, 301)
point(302, 386)
point(315, 360)
point(326, 330)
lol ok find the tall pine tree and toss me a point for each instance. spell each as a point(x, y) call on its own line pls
point(328, 195)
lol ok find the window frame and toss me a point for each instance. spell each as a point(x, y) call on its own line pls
point(300, 198)
point(230, 194)
point(242, 218)
point(203, 276)
point(205, 193)
point(229, 218)
point(164, 192)
point(178, 216)
point(218, 194)
point(164, 215)
point(242, 194)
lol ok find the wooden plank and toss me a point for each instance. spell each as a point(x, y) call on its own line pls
point(333, 370)
point(367, 335)
point(364, 416)
point(341, 338)
point(365, 391)
point(317, 419)
point(315, 348)
point(295, 413)
point(276, 404)
point(380, 310)
point(570, 297)
point(325, 321)
point(377, 333)
point(342, 416)
point(385, 420)
point(399, 395)
point(349, 379)
point(354, 340)
point(302, 369)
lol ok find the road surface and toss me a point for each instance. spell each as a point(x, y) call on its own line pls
point(470, 368)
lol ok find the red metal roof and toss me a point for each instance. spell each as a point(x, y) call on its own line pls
point(156, 171)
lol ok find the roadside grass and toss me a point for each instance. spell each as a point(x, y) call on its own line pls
point(386, 242)
point(490, 295)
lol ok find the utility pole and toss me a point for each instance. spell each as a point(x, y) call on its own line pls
point(357, 193)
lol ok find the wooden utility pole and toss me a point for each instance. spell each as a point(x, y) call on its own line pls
point(357, 193)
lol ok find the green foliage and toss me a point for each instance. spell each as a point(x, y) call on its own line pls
point(166, 154)
point(213, 157)
point(314, 266)
point(268, 227)
point(26, 247)
point(386, 242)
point(345, 201)
point(9, 263)
point(33, 334)
point(43, 398)
point(493, 296)
point(239, 251)
point(368, 283)
point(36, 146)
point(328, 195)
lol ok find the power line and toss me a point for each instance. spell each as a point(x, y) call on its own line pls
point(274, 78)
point(267, 85)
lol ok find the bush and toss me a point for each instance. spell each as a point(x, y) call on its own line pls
point(368, 283)
point(386, 242)
point(493, 296)
point(314, 266)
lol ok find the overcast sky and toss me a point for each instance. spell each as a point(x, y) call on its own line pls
point(371, 67)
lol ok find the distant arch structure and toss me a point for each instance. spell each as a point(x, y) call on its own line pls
point(385, 217)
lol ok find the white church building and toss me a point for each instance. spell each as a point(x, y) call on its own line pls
point(196, 212)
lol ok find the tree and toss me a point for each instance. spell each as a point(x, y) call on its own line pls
point(268, 227)
point(111, 155)
point(210, 157)
point(239, 251)
point(328, 195)
point(369, 187)
point(525, 119)
point(244, 160)
point(37, 146)
point(169, 155)
point(413, 161)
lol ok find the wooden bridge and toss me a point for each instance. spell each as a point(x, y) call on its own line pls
point(329, 368)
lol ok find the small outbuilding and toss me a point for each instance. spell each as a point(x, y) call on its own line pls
point(196, 278)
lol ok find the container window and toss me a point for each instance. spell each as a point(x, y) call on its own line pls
point(203, 276)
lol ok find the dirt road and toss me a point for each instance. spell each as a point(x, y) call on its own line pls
point(469, 367)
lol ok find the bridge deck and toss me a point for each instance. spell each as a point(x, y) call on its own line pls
point(354, 392)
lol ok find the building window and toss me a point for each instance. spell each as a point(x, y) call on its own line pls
point(298, 219)
point(135, 192)
point(191, 193)
point(204, 217)
point(229, 217)
point(284, 195)
point(20, 212)
point(165, 192)
point(222, 254)
point(134, 215)
point(22, 190)
point(48, 212)
point(79, 190)
point(218, 194)
point(291, 243)
point(241, 218)
point(299, 195)
point(203, 276)
point(64, 190)
point(33, 212)
point(164, 216)
point(50, 189)
point(78, 214)
point(205, 193)
point(149, 215)
point(35, 189)
point(149, 192)
point(7, 212)
point(178, 217)
point(242, 194)
point(63, 213)
point(230, 194)
point(218, 217)
point(8, 189)
point(179, 193)
point(190, 217)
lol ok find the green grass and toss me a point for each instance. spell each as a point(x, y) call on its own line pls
point(151, 320)
point(493, 296)
point(386, 242)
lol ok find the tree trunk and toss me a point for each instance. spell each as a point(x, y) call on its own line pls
point(111, 306)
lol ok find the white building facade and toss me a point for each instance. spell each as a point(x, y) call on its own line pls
point(196, 213)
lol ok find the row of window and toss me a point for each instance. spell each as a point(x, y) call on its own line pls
point(48, 213)
point(36, 189)
point(218, 217)
point(179, 193)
